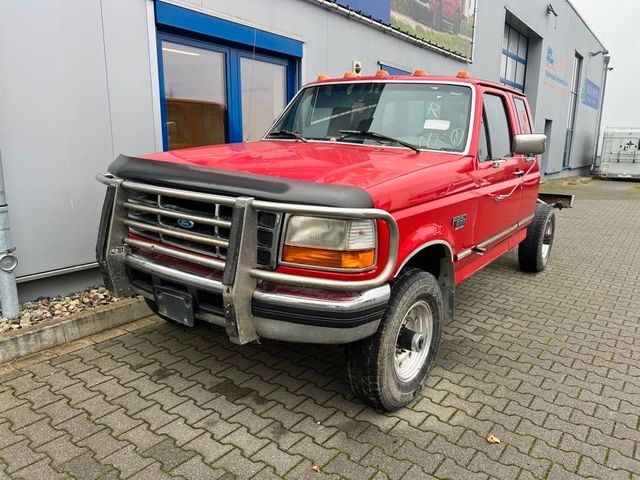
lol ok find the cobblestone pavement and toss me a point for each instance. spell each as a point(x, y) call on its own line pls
point(547, 363)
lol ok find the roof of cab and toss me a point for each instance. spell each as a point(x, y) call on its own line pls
point(379, 77)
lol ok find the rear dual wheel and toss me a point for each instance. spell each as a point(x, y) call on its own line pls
point(389, 369)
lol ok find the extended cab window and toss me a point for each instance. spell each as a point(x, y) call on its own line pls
point(523, 117)
point(427, 115)
point(497, 127)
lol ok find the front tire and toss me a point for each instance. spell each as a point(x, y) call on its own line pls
point(534, 251)
point(380, 371)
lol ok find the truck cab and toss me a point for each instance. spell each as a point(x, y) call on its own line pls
point(351, 222)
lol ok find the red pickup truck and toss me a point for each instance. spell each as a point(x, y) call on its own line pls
point(351, 222)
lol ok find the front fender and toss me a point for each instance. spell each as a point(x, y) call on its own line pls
point(417, 239)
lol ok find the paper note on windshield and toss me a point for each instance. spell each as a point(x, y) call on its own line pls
point(436, 124)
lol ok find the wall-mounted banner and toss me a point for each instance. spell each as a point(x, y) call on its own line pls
point(447, 24)
point(378, 10)
point(590, 95)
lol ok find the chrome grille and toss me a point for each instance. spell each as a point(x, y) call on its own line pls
point(200, 226)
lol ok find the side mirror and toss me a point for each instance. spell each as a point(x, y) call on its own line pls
point(529, 143)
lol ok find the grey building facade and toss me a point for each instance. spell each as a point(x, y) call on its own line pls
point(82, 81)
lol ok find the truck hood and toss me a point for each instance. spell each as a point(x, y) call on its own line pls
point(319, 162)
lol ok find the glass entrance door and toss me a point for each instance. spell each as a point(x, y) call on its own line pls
point(212, 94)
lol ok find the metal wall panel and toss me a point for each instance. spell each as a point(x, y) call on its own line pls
point(66, 109)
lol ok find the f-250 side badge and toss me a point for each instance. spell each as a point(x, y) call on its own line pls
point(459, 221)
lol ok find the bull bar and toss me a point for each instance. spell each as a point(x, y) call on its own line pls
point(240, 275)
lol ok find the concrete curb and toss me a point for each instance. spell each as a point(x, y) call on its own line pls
point(57, 331)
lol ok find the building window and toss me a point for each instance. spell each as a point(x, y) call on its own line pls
point(513, 65)
point(573, 107)
point(224, 88)
point(195, 95)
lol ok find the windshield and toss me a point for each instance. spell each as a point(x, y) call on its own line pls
point(427, 115)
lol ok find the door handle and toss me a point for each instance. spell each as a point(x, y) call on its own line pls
point(519, 173)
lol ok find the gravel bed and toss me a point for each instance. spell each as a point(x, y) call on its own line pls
point(32, 313)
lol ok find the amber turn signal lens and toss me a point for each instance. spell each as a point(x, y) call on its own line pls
point(318, 257)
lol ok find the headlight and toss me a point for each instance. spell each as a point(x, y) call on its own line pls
point(330, 243)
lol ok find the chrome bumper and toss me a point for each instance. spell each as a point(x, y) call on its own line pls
point(239, 283)
point(294, 316)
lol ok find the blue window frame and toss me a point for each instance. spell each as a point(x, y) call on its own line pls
point(513, 64)
point(180, 25)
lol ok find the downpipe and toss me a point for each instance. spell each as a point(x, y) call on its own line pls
point(8, 262)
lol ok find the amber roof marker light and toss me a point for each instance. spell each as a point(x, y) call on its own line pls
point(419, 72)
point(350, 74)
point(322, 78)
point(463, 74)
point(382, 73)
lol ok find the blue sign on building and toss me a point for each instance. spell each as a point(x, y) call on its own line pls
point(379, 10)
point(590, 94)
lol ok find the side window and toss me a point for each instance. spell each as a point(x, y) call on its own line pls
point(497, 125)
point(523, 118)
point(483, 144)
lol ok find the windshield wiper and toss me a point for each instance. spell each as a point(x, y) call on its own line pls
point(288, 133)
point(376, 136)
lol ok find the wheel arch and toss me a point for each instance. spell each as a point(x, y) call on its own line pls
point(435, 257)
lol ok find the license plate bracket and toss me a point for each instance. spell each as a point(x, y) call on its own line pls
point(174, 304)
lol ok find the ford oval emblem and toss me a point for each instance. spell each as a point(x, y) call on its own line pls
point(185, 223)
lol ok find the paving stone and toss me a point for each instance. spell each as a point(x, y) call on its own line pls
point(238, 465)
point(61, 450)
point(207, 446)
point(97, 407)
point(196, 469)
point(8, 401)
point(249, 444)
point(79, 427)
point(118, 422)
point(111, 389)
point(40, 397)
point(142, 437)
point(155, 417)
point(59, 411)
point(37, 471)
point(152, 472)
point(169, 454)
point(127, 461)
point(281, 436)
point(253, 422)
point(180, 431)
point(216, 425)
point(102, 444)
point(19, 455)
point(21, 416)
point(37, 433)
point(281, 461)
point(345, 468)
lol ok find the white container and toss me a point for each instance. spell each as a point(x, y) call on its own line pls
point(620, 153)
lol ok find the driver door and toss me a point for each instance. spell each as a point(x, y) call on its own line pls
point(498, 173)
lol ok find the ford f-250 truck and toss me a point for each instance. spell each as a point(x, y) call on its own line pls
point(351, 222)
